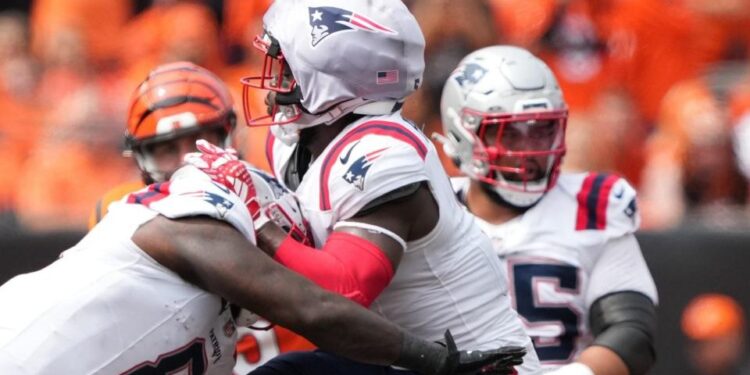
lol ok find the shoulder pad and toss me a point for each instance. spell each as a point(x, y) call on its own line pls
point(366, 164)
point(190, 192)
point(606, 202)
point(113, 195)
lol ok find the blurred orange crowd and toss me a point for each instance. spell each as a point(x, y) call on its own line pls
point(659, 92)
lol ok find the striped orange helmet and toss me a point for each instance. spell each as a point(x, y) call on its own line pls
point(712, 315)
point(174, 100)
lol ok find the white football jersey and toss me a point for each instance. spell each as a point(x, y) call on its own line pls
point(559, 258)
point(448, 279)
point(107, 307)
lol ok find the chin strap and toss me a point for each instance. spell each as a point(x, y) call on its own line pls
point(360, 106)
point(383, 107)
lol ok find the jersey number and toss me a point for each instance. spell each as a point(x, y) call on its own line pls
point(190, 356)
point(535, 312)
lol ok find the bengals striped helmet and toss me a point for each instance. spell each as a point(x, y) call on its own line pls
point(174, 100)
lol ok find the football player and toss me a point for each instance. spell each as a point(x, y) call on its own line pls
point(177, 104)
point(576, 273)
point(146, 292)
point(174, 106)
point(390, 232)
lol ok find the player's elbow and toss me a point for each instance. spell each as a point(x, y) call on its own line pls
point(625, 322)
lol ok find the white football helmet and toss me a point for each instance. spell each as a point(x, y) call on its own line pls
point(504, 121)
point(280, 205)
point(328, 58)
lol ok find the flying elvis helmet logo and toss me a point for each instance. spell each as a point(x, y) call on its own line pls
point(328, 20)
point(470, 74)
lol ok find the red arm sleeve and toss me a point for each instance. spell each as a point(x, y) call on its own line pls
point(348, 265)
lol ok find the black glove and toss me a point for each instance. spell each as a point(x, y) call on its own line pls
point(493, 362)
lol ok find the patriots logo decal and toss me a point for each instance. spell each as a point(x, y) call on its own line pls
point(471, 74)
point(357, 172)
point(329, 20)
point(222, 204)
point(276, 188)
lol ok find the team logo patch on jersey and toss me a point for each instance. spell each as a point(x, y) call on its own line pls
point(345, 159)
point(328, 20)
point(357, 172)
point(222, 204)
point(471, 74)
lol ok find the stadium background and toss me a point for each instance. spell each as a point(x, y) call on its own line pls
point(659, 92)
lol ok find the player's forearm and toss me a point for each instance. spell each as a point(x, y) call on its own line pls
point(352, 326)
point(337, 325)
point(270, 237)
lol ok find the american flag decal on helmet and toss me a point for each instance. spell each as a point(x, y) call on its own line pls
point(387, 77)
point(328, 20)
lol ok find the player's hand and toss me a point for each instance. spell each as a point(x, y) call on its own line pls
point(495, 362)
point(225, 168)
point(220, 164)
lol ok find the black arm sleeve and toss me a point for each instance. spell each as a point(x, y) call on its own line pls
point(625, 322)
point(391, 196)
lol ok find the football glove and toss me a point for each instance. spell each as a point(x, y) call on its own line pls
point(494, 362)
point(225, 168)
